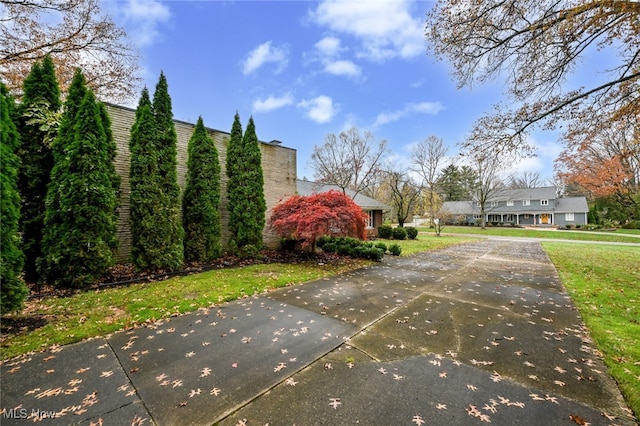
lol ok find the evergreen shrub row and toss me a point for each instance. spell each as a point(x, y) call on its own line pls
point(399, 233)
point(352, 247)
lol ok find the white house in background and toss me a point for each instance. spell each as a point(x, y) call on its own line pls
point(373, 208)
point(531, 206)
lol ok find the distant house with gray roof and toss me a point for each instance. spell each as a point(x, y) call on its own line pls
point(373, 208)
point(531, 206)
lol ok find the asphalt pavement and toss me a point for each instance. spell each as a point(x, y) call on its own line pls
point(473, 334)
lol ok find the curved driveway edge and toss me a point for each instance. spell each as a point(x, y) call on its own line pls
point(477, 333)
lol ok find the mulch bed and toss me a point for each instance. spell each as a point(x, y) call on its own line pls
point(126, 274)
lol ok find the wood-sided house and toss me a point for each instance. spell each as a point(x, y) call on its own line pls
point(531, 206)
point(374, 209)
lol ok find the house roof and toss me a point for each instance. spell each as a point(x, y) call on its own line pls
point(572, 204)
point(460, 207)
point(306, 187)
point(561, 205)
point(543, 193)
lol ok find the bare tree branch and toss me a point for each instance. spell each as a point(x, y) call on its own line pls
point(537, 44)
point(348, 160)
point(76, 34)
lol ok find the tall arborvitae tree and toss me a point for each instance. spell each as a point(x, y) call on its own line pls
point(81, 244)
point(166, 144)
point(234, 181)
point(156, 227)
point(253, 213)
point(40, 90)
point(201, 200)
point(13, 291)
point(145, 196)
point(54, 215)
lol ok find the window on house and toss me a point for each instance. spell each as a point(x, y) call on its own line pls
point(477, 216)
point(478, 204)
point(544, 202)
point(569, 217)
point(370, 218)
point(510, 203)
point(526, 202)
point(494, 204)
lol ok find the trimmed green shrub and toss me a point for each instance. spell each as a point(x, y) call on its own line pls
point(385, 231)
point(352, 247)
point(320, 242)
point(395, 249)
point(370, 253)
point(399, 233)
point(288, 244)
point(381, 246)
point(412, 232)
point(634, 224)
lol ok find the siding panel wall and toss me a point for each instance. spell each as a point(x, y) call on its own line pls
point(278, 165)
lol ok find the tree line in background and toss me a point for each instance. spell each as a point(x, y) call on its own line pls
point(431, 177)
point(537, 44)
point(61, 190)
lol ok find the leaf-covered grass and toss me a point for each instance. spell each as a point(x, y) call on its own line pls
point(603, 281)
point(427, 242)
point(100, 312)
point(578, 235)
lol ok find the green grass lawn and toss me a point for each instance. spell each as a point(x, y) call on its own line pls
point(100, 312)
point(427, 242)
point(602, 280)
point(604, 283)
point(604, 236)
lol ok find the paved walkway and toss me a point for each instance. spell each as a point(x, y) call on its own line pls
point(467, 335)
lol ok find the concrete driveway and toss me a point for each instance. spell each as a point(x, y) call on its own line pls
point(477, 333)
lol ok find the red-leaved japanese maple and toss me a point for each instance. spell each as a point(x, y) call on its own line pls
point(306, 218)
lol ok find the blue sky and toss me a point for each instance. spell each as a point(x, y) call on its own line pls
point(304, 69)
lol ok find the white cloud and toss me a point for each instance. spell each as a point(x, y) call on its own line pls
point(385, 28)
point(328, 51)
point(329, 46)
point(319, 109)
point(342, 67)
point(272, 103)
point(143, 18)
point(431, 108)
point(263, 54)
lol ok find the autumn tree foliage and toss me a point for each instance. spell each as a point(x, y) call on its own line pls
point(538, 45)
point(350, 159)
point(201, 200)
point(306, 218)
point(36, 160)
point(13, 291)
point(76, 34)
point(604, 163)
